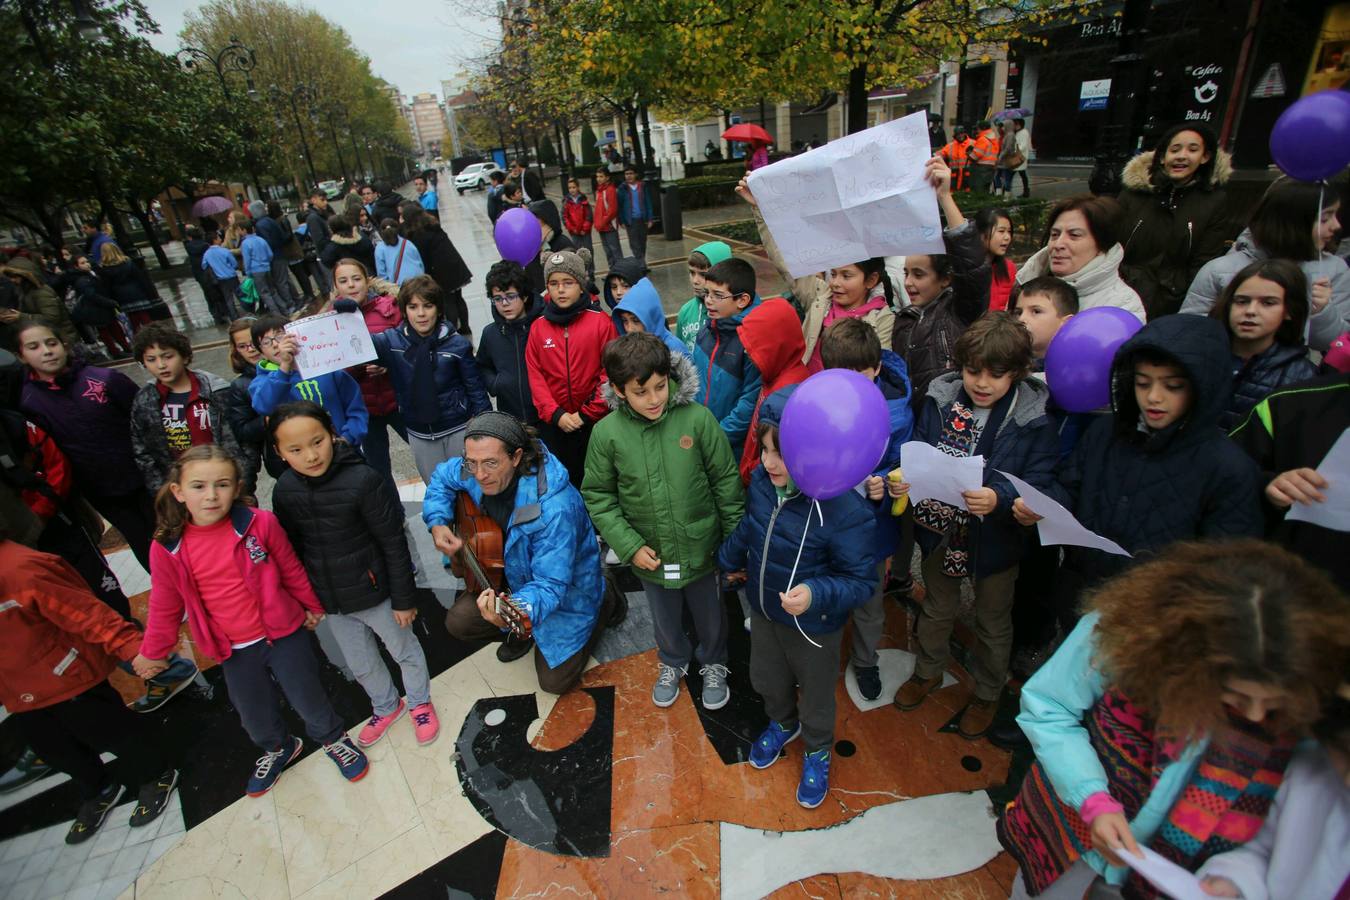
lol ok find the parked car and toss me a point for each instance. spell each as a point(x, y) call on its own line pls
point(475, 176)
point(331, 189)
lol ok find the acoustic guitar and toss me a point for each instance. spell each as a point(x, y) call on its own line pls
point(481, 561)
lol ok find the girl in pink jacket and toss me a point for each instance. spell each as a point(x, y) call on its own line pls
point(248, 604)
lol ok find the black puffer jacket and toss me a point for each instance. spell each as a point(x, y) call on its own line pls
point(133, 290)
point(443, 263)
point(1146, 490)
point(925, 335)
point(501, 361)
point(249, 429)
point(1169, 232)
point(347, 528)
point(1255, 378)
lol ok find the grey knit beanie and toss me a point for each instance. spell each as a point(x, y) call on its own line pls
point(574, 263)
point(503, 426)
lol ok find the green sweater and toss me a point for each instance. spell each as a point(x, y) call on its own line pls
point(670, 484)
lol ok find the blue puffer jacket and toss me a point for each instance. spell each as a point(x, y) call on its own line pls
point(836, 561)
point(643, 302)
point(552, 556)
point(1148, 489)
point(1256, 378)
point(895, 387)
point(460, 394)
point(1026, 445)
point(730, 381)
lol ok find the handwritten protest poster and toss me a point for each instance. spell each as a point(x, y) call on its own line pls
point(861, 196)
point(331, 341)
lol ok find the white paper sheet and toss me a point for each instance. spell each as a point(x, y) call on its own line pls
point(1334, 511)
point(331, 341)
point(933, 475)
point(1165, 875)
point(1058, 526)
point(860, 196)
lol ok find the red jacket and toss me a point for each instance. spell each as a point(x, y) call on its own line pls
point(563, 363)
point(577, 215)
point(772, 337)
point(606, 207)
point(999, 291)
point(59, 639)
point(381, 313)
point(46, 461)
point(270, 568)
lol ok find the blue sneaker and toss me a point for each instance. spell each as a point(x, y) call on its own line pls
point(271, 765)
point(764, 751)
point(815, 783)
point(351, 762)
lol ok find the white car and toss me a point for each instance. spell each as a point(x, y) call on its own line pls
point(475, 176)
point(331, 189)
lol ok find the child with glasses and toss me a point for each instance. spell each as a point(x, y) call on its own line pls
point(279, 381)
point(501, 349)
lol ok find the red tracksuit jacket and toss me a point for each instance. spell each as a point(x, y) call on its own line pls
point(563, 363)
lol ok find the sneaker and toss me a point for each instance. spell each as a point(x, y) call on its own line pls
point(766, 748)
point(27, 770)
point(425, 724)
point(373, 730)
point(92, 813)
point(912, 692)
point(815, 783)
point(978, 716)
point(667, 686)
point(152, 799)
point(270, 766)
point(165, 686)
point(869, 681)
point(513, 648)
point(351, 762)
point(715, 690)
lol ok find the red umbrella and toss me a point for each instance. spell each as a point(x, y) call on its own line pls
point(747, 133)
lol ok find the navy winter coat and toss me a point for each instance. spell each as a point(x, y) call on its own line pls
point(1148, 489)
point(459, 388)
point(836, 561)
point(1255, 378)
point(1026, 445)
point(501, 360)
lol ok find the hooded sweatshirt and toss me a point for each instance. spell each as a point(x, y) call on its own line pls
point(728, 377)
point(775, 345)
point(643, 301)
point(693, 313)
point(630, 269)
point(337, 392)
point(1146, 488)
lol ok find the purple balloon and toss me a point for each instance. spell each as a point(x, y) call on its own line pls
point(834, 432)
point(1078, 360)
point(1311, 139)
point(518, 235)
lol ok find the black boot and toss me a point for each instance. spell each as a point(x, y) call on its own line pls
point(513, 648)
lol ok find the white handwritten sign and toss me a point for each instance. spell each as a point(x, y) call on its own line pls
point(331, 341)
point(855, 198)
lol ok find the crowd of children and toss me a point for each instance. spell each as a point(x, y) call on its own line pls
point(1206, 657)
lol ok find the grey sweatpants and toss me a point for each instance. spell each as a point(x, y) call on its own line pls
point(356, 633)
point(781, 661)
point(428, 453)
point(710, 621)
point(868, 622)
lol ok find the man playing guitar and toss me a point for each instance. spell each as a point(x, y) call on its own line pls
point(550, 557)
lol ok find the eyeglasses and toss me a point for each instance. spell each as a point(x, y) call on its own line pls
point(271, 340)
point(487, 465)
point(718, 297)
point(503, 299)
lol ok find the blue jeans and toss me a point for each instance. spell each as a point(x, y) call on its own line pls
point(375, 447)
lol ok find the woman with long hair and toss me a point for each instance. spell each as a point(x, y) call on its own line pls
point(441, 260)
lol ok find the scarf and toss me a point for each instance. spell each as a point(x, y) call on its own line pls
point(559, 316)
point(876, 299)
point(424, 408)
point(1221, 807)
point(961, 436)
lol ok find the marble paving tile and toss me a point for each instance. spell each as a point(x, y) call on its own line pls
point(60, 879)
point(237, 853)
point(682, 861)
point(817, 887)
point(980, 884)
point(380, 870)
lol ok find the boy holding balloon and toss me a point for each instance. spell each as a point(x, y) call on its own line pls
point(988, 408)
point(806, 546)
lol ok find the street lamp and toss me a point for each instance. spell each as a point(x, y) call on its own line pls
point(301, 92)
point(233, 57)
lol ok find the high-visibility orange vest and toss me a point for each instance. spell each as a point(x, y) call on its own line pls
point(957, 156)
point(984, 150)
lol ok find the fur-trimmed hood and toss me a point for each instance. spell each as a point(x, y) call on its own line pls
point(682, 373)
point(1138, 172)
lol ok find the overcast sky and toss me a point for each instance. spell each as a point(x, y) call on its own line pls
point(411, 43)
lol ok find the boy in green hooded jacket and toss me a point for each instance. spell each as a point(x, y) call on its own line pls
point(689, 321)
point(663, 490)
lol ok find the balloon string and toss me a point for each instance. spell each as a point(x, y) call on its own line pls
point(1317, 254)
point(795, 621)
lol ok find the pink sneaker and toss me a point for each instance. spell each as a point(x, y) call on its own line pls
point(425, 724)
point(378, 725)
